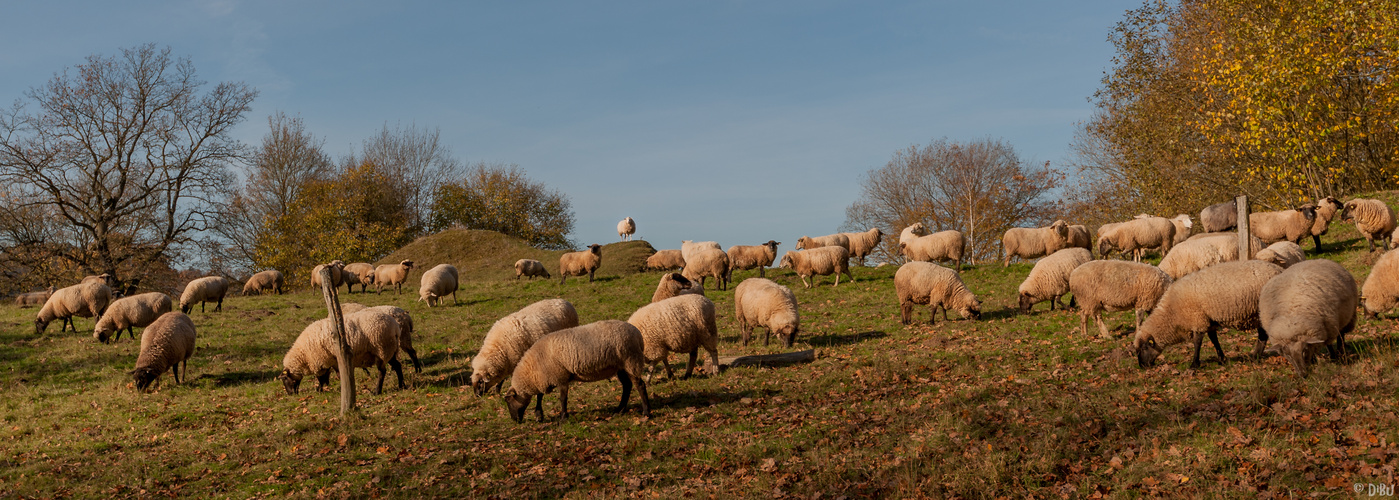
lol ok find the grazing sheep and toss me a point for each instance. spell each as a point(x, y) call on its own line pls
point(626, 228)
point(1228, 244)
point(705, 263)
point(820, 261)
point(862, 244)
point(1219, 217)
point(913, 231)
point(936, 286)
point(830, 240)
point(588, 353)
point(270, 280)
point(130, 312)
point(1137, 236)
point(1326, 210)
point(88, 300)
point(744, 257)
point(580, 263)
point(1282, 253)
point(760, 302)
point(203, 290)
point(32, 299)
point(373, 340)
point(359, 273)
point(392, 274)
point(673, 284)
point(1116, 285)
point(512, 335)
point(1290, 225)
point(1032, 242)
point(405, 328)
point(1192, 255)
point(1079, 237)
point(1049, 280)
point(337, 277)
point(1373, 218)
point(1308, 305)
point(665, 260)
point(530, 268)
point(1381, 289)
point(681, 324)
point(1196, 306)
point(688, 247)
point(438, 282)
point(936, 247)
point(166, 344)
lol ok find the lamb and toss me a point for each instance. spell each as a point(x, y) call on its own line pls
point(1219, 217)
point(1196, 306)
point(705, 263)
point(913, 231)
point(592, 352)
point(665, 260)
point(1381, 288)
point(1310, 304)
point(1116, 285)
point(88, 300)
point(1079, 237)
point(373, 340)
point(626, 228)
point(1282, 253)
point(819, 261)
point(530, 268)
point(936, 286)
point(674, 284)
point(580, 263)
point(682, 324)
point(830, 240)
point(760, 302)
point(1138, 235)
point(337, 278)
point(1373, 218)
point(512, 335)
point(130, 312)
point(936, 247)
point(1049, 280)
point(166, 344)
point(862, 244)
point(687, 247)
point(359, 273)
point(1290, 225)
point(270, 280)
point(438, 282)
point(392, 275)
point(1326, 210)
point(744, 257)
point(32, 299)
point(405, 328)
point(1029, 243)
point(203, 290)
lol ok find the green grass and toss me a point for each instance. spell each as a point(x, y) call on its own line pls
point(1007, 406)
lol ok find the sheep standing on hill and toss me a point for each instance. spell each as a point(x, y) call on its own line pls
point(1219, 217)
point(512, 335)
point(682, 324)
point(1196, 306)
point(204, 290)
point(1381, 289)
point(1290, 225)
point(392, 275)
point(88, 300)
point(580, 263)
point(263, 282)
point(32, 299)
point(1032, 242)
point(1373, 218)
point(626, 228)
point(937, 287)
point(1116, 285)
point(337, 277)
point(588, 353)
point(1137, 236)
point(129, 313)
point(438, 282)
point(760, 302)
point(830, 240)
point(405, 328)
point(530, 268)
point(666, 260)
point(1079, 237)
point(820, 261)
point(862, 244)
point(1326, 210)
point(705, 263)
point(936, 247)
point(673, 284)
point(166, 344)
point(1309, 305)
point(1049, 280)
point(359, 273)
point(744, 257)
point(373, 340)
point(913, 231)
point(1282, 253)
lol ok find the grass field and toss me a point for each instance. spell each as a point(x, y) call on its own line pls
point(1013, 406)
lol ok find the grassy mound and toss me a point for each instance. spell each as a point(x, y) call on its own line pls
point(490, 256)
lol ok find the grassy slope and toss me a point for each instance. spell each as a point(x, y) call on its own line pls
point(1009, 405)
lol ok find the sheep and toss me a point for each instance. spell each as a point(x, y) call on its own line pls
point(1136, 236)
point(373, 340)
point(1193, 255)
point(1079, 237)
point(936, 247)
point(830, 240)
point(588, 353)
point(264, 281)
point(405, 328)
point(512, 335)
point(863, 243)
point(913, 231)
point(88, 300)
point(666, 260)
point(1307, 305)
point(1116, 285)
point(337, 277)
point(1381, 289)
point(682, 324)
point(688, 247)
point(673, 284)
point(438, 282)
point(1282, 253)
point(744, 257)
point(359, 273)
point(1373, 218)
point(203, 290)
point(580, 263)
point(760, 302)
point(1029, 243)
point(1049, 280)
point(1197, 305)
point(1219, 217)
point(130, 312)
point(1290, 225)
point(32, 299)
point(166, 344)
point(819, 261)
point(392, 274)
point(1228, 244)
point(626, 228)
point(1326, 210)
point(705, 263)
point(936, 286)
point(530, 268)
point(1183, 226)
point(104, 278)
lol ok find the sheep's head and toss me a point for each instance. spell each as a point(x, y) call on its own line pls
point(480, 381)
point(517, 404)
point(972, 311)
point(772, 244)
point(595, 249)
point(786, 326)
point(917, 228)
point(1308, 211)
point(786, 261)
point(1300, 353)
point(1025, 303)
point(1348, 211)
point(367, 277)
point(291, 382)
point(1146, 348)
point(144, 377)
point(40, 325)
point(804, 242)
point(407, 264)
point(102, 332)
point(1104, 246)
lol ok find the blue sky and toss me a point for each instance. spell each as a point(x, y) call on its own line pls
point(733, 121)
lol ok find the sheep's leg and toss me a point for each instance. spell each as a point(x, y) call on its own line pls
point(646, 398)
point(760, 271)
point(625, 379)
point(1102, 327)
point(804, 283)
point(499, 385)
point(767, 335)
point(130, 332)
point(1083, 321)
point(906, 308)
point(1316, 243)
point(1261, 344)
point(665, 361)
point(590, 276)
point(1214, 339)
point(690, 367)
point(933, 313)
point(744, 332)
point(1198, 338)
point(944, 311)
point(837, 283)
point(538, 406)
point(413, 355)
point(175, 372)
point(713, 360)
point(397, 369)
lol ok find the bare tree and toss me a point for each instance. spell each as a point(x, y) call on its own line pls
point(417, 161)
point(128, 152)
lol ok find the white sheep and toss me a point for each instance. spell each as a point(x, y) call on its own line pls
point(1116, 285)
point(511, 336)
point(438, 282)
point(1049, 280)
point(830, 240)
point(1228, 244)
point(1079, 237)
point(392, 275)
point(32, 299)
point(744, 257)
point(373, 340)
point(1183, 226)
point(760, 302)
point(925, 283)
point(405, 328)
point(1197, 305)
point(87, 300)
point(1380, 292)
point(204, 290)
point(1137, 236)
point(705, 263)
point(337, 277)
point(820, 261)
point(666, 260)
point(1195, 254)
point(863, 243)
point(1306, 306)
point(104, 278)
point(681, 324)
point(359, 273)
point(1373, 219)
point(265, 281)
point(936, 247)
point(688, 247)
point(588, 353)
point(626, 228)
point(1290, 225)
point(580, 263)
point(1282, 253)
point(166, 344)
point(913, 231)
point(1326, 210)
point(1032, 242)
point(530, 268)
point(129, 313)
point(674, 284)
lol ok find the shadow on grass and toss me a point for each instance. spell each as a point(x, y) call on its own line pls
point(228, 379)
point(703, 398)
point(833, 340)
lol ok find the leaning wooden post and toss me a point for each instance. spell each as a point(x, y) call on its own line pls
point(1241, 203)
point(337, 321)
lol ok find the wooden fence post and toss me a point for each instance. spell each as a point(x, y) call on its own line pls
point(1241, 203)
point(337, 320)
